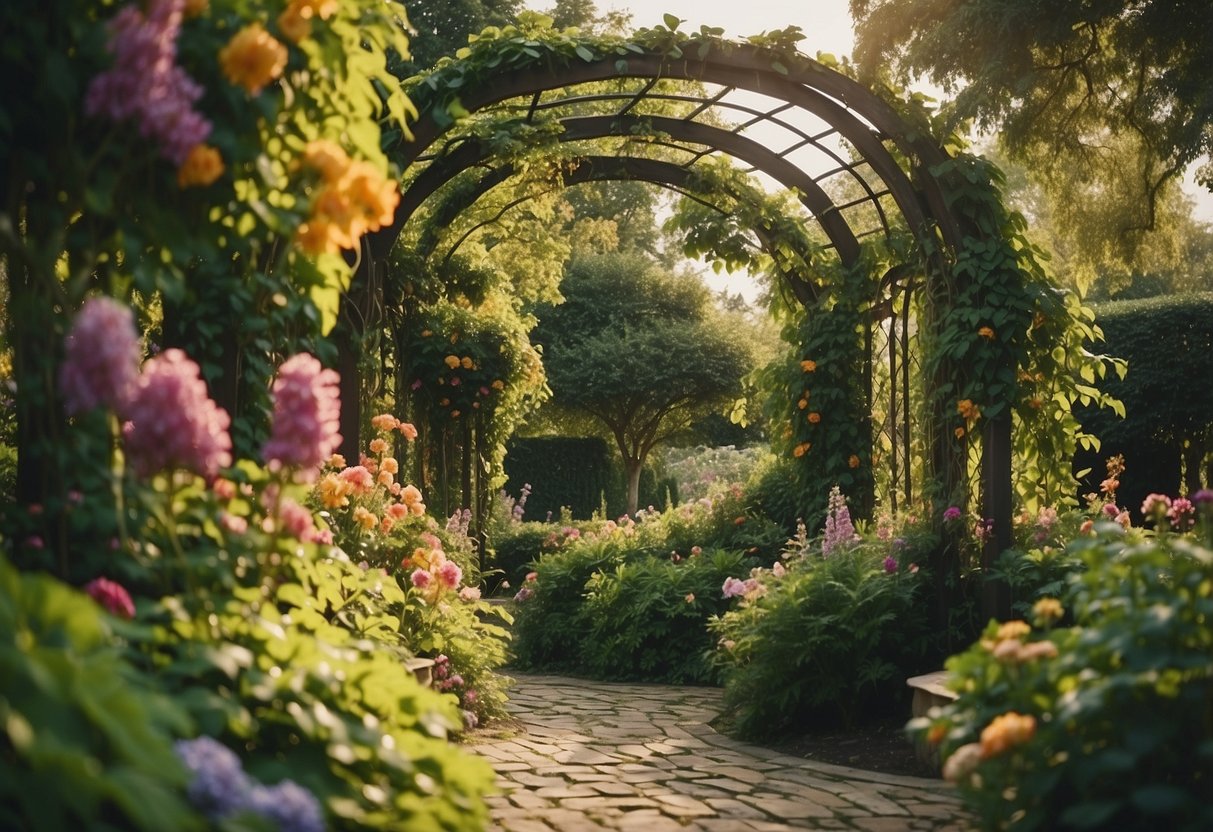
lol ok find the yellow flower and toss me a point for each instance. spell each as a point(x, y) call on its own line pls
point(808, 365)
point(814, 417)
point(1047, 610)
point(201, 167)
point(365, 519)
point(853, 461)
point(1005, 732)
point(801, 449)
point(1013, 629)
point(252, 58)
point(334, 491)
point(467, 363)
point(451, 361)
point(986, 332)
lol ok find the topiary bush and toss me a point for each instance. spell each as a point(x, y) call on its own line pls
point(1106, 724)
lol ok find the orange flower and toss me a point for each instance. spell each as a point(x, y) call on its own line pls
point(365, 519)
point(960, 432)
point(801, 449)
point(853, 461)
point(986, 332)
point(814, 417)
point(201, 167)
point(1013, 629)
point(334, 491)
point(293, 25)
point(194, 8)
point(410, 495)
point(1047, 610)
point(378, 446)
point(384, 421)
point(802, 404)
point(498, 384)
point(808, 365)
point(937, 732)
point(451, 361)
point(326, 158)
point(252, 58)
point(467, 363)
point(454, 414)
point(390, 465)
point(337, 461)
point(968, 410)
point(384, 478)
point(1005, 732)
point(408, 431)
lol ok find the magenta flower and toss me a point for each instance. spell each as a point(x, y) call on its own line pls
point(890, 565)
point(111, 596)
point(145, 84)
point(449, 574)
point(421, 578)
point(307, 413)
point(101, 358)
point(1182, 514)
point(952, 513)
point(295, 519)
point(839, 531)
point(173, 423)
point(1203, 497)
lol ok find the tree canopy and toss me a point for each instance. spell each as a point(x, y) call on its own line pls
point(640, 350)
point(1114, 91)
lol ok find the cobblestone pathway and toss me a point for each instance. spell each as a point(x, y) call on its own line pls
point(597, 756)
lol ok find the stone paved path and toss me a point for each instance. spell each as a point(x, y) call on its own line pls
point(598, 756)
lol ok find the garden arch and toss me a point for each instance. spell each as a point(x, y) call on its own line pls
point(597, 88)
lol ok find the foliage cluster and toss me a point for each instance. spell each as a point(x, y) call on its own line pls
point(824, 638)
point(1103, 724)
point(1167, 430)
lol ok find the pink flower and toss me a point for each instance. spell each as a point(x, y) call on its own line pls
point(101, 358)
point(449, 574)
point(733, 588)
point(296, 520)
point(890, 565)
point(322, 536)
point(173, 423)
point(951, 513)
point(1182, 514)
point(397, 511)
point(1155, 504)
point(524, 594)
point(1111, 510)
point(111, 596)
point(145, 84)
point(469, 593)
point(360, 478)
point(778, 570)
point(35, 542)
point(307, 412)
point(421, 578)
point(233, 523)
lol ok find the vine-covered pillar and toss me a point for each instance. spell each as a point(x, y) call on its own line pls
point(997, 497)
point(347, 337)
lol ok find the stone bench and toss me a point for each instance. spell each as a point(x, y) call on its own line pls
point(930, 690)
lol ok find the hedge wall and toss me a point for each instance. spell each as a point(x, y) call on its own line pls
point(576, 472)
point(1168, 395)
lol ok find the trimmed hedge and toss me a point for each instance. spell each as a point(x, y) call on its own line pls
point(1168, 397)
point(577, 473)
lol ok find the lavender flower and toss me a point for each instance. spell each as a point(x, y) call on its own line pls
point(218, 785)
point(291, 807)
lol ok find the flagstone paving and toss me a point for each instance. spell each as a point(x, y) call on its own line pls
point(598, 756)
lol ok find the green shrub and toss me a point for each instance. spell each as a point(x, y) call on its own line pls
point(1163, 339)
point(85, 741)
point(647, 619)
point(774, 491)
point(562, 471)
point(514, 553)
point(1107, 724)
point(832, 639)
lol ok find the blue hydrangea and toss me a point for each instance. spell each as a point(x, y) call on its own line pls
point(290, 806)
point(218, 785)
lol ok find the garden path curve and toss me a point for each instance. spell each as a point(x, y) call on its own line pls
point(599, 756)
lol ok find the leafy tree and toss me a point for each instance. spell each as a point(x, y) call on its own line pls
point(442, 26)
point(1109, 91)
point(640, 351)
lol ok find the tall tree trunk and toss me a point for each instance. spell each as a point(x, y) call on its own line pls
point(632, 466)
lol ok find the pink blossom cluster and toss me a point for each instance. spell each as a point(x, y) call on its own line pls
point(839, 530)
point(737, 588)
point(307, 412)
point(112, 596)
point(145, 84)
point(172, 423)
point(101, 358)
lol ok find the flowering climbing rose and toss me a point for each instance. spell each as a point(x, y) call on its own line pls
point(307, 413)
point(101, 361)
point(172, 421)
point(112, 596)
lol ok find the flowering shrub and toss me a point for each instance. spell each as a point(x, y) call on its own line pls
point(818, 638)
point(1101, 725)
point(87, 739)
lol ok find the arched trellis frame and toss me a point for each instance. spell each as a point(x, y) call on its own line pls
point(897, 152)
